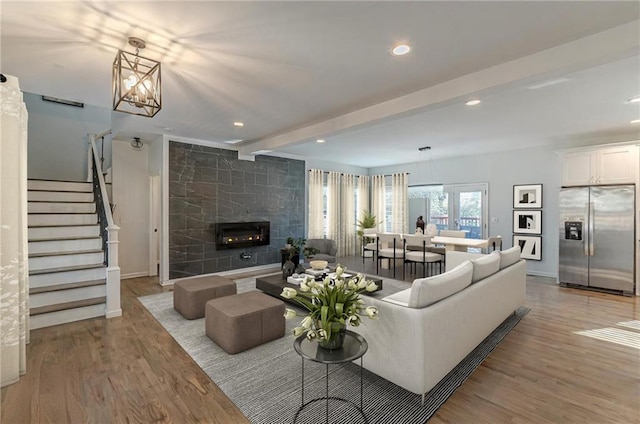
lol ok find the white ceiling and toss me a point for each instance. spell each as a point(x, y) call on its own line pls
point(296, 71)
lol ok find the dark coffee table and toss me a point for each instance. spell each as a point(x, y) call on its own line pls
point(273, 285)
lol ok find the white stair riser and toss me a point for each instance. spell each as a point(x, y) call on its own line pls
point(51, 262)
point(62, 219)
point(53, 246)
point(77, 276)
point(69, 315)
point(44, 233)
point(63, 296)
point(59, 186)
point(60, 207)
point(59, 196)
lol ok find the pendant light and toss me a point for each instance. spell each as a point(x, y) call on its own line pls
point(136, 82)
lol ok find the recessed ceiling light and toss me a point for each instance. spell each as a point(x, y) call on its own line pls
point(320, 140)
point(234, 141)
point(634, 99)
point(636, 121)
point(473, 102)
point(400, 49)
point(238, 124)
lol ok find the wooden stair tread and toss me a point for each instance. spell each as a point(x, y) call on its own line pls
point(66, 286)
point(62, 225)
point(66, 268)
point(74, 252)
point(67, 305)
point(62, 213)
point(65, 238)
point(62, 181)
point(63, 201)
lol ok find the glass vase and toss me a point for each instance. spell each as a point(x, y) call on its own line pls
point(336, 340)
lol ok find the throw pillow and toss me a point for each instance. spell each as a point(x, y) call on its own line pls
point(509, 257)
point(427, 291)
point(485, 266)
point(401, 298)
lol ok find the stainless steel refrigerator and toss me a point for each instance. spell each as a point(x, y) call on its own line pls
point(597, 237)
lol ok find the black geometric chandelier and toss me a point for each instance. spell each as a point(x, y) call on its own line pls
point(136, 82)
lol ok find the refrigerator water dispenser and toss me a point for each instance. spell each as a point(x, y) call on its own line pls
point(573, 230)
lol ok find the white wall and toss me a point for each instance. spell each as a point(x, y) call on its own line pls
point(131, 200)
point(58, 138)
point(502, 171)
point(336, 167)
point(155, 156)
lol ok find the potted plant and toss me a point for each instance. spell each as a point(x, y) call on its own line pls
point(331, 305)
point(309, 252)
point(295, 246)
point(368, 221)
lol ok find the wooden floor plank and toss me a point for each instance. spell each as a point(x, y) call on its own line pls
point(129, 369)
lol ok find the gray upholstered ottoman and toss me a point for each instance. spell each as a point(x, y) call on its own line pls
point(190, 295)
point(246, 320)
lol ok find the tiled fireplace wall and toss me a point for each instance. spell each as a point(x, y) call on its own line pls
point(209, 185)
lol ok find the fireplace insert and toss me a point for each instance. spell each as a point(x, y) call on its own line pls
point(232, 235)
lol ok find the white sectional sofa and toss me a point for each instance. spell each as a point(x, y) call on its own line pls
point(423, 332)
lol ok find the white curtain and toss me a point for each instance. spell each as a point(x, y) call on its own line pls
point(363, 196)
point(378, 201)
point(399, 202)
point(347, 241)
point(333, 206)
point(316, 207)
point(14, 272)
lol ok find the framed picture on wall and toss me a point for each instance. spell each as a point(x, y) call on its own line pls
point(527, 222)
point(527, 196)
point(530, 246)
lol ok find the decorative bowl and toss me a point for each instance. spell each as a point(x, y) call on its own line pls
point(318, 265)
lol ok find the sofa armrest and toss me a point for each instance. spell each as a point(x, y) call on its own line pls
point(396, 344)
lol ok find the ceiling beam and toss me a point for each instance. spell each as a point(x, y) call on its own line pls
point(607, 46)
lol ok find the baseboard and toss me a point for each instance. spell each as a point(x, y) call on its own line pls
point(113, 314)
point(134, 275)
point(543, 274)
point(270, 267)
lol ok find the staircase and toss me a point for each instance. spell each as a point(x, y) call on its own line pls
point(67, 275)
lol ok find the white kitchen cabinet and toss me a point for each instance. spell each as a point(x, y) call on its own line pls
point(613, 165)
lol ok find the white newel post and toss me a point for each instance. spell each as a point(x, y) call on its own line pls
point(89, 163)
point(113, 274)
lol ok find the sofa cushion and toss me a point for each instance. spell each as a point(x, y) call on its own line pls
point(509, 257)
point(426, 291)
point(485, 266)
point(401, 298)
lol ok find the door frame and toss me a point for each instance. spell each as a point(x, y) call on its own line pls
point(155, 210)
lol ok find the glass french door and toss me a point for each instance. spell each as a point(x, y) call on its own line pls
point(451, 207)
point(468, 209)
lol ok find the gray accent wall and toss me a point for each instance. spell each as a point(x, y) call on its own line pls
point(209, 185)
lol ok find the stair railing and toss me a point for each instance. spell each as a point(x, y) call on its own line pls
point(108, 229)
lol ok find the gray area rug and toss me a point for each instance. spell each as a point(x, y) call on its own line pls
point(264, 382)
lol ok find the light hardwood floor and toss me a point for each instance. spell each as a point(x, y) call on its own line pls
point(128, 369)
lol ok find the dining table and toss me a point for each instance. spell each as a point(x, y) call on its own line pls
point(458, 243)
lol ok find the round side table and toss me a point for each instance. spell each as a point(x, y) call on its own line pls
point(355, 346)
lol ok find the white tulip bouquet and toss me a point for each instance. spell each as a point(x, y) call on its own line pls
point(332, 304)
